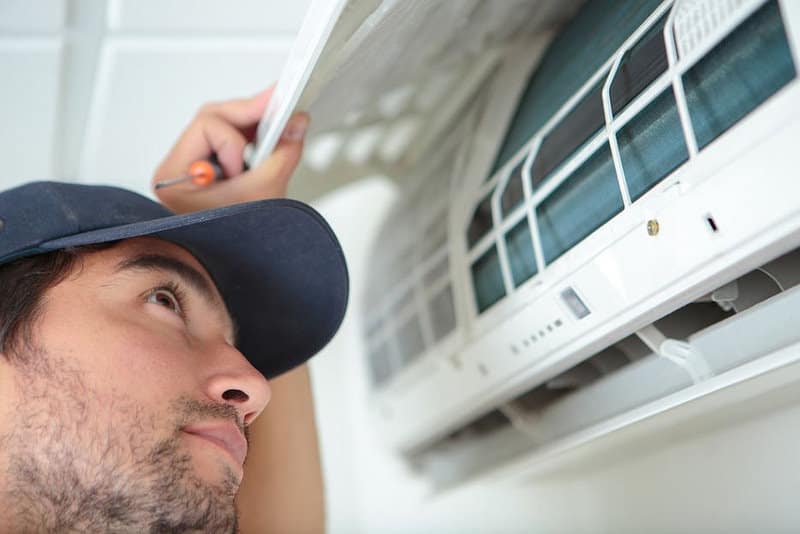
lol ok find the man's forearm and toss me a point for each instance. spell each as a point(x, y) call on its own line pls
point(282, 489)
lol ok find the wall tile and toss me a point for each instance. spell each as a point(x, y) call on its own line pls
point(212, 15)
point(28, 107)
point(37, 15)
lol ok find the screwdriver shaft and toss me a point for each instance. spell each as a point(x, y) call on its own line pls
point(173, 181)
point(201, 172)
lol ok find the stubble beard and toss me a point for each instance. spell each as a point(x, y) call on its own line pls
point(71, 471)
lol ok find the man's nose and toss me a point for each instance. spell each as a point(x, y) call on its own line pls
point(234, 381)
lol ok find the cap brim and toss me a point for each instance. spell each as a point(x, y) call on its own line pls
point(277, 264)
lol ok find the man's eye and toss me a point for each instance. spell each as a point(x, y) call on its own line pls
point(165, 297)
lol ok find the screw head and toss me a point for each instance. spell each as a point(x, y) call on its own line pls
point(652, 227)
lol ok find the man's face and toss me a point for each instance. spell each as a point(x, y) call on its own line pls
point(130, 414)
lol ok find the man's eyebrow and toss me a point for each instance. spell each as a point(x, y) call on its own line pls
point(188, 274)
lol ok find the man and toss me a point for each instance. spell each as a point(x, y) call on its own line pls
point(135, 346)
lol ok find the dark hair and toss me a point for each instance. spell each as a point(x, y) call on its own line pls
point(23, 283)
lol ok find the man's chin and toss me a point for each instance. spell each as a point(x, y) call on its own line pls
point(213, 465)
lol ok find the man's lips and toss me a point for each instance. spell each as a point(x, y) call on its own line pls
point(226, 435)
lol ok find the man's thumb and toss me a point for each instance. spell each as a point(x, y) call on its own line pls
point(279, 166)
point(295, 129)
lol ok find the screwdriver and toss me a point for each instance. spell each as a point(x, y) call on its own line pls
point(202, 172)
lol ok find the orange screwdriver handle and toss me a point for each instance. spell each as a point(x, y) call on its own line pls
point(204, 172)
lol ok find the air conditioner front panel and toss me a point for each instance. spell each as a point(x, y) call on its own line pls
point(630, 282)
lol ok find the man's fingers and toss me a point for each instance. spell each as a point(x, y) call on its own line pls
point(227, 143)
point(206, 135)
point(211, 134)
point(270, 179)
point(241, 112)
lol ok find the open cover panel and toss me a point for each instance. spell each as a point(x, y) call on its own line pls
point(394, 76)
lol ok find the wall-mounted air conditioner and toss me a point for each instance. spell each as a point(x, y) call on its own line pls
point(600, 218)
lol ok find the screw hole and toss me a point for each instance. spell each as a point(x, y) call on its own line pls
point(712, 223)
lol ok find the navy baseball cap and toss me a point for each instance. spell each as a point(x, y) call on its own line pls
point(276, 262)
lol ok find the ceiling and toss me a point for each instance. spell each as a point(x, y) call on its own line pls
point(97, 91)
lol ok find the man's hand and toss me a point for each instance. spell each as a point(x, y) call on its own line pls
point(224, 128)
